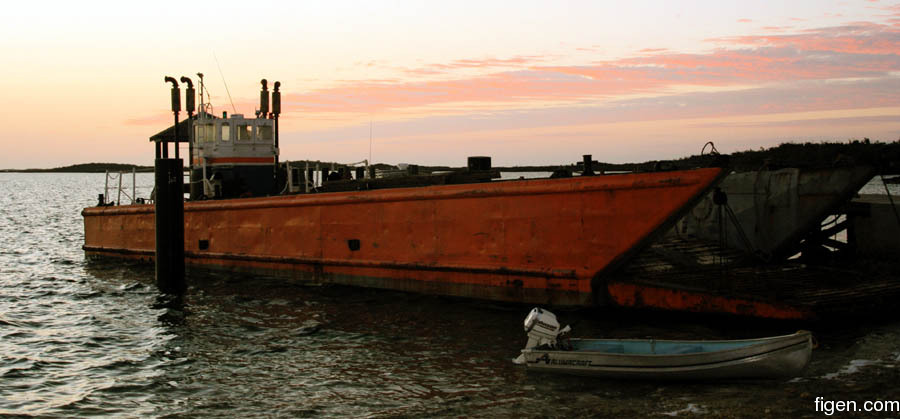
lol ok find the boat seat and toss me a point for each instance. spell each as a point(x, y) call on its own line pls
point(610, 348)
point(681, 349)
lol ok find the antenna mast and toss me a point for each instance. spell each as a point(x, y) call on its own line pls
point(202, 110)
point(223, 82)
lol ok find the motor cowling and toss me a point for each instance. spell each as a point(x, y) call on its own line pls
point(541, 324)
point(542, 329)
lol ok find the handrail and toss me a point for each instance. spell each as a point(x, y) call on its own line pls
point(117, 176)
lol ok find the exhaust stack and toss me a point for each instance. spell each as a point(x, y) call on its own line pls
point(176, 107)
point(263, 100)
point(189, 94)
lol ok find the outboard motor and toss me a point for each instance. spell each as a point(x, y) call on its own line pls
point(542, 329)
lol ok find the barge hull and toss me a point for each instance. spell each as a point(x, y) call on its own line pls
point(542, 241)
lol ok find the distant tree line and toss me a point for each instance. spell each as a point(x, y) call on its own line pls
point(89, 168)
point(885, 156)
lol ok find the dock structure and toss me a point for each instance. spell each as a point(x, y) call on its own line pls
point(790, 291)
point(771, 212)
point(875, 225)
point(832, 263)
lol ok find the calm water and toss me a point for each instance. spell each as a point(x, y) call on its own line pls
point(82, 338)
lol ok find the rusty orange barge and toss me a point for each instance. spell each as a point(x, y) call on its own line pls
point(543, 241)
point(534, 241)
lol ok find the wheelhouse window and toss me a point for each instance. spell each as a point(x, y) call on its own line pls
point(244, 132)
point(265, 132)
point(203, 133)
point(225, 131)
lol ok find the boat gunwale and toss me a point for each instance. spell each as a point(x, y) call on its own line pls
point(541, 186)
point(717, 369)
point(802, 338)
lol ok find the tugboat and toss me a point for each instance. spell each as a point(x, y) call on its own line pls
point(230, 156)
point(461, 233)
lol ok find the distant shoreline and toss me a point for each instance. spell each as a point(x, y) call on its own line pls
point(86, 168)
point(886, 156)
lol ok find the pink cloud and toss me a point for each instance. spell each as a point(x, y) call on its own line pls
point(860, 50)
point(803, 96)
point(857, 38)
point(744, 20)
point(521, 61)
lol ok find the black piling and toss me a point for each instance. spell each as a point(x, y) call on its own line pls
point(169, 180)
point(588, 166)
point(479, 163)
point(169, 174)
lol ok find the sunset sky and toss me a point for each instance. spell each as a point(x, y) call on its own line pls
point(524, 82)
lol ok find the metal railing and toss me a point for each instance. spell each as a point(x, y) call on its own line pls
point(117, 176)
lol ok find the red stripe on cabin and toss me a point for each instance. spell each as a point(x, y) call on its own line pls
point(220, 160)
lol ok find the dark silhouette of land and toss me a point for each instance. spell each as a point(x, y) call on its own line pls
point(885, 156)
point(87, 168)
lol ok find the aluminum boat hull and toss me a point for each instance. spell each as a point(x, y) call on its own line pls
point(773, 357)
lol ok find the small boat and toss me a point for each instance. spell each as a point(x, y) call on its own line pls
point(651, 359)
